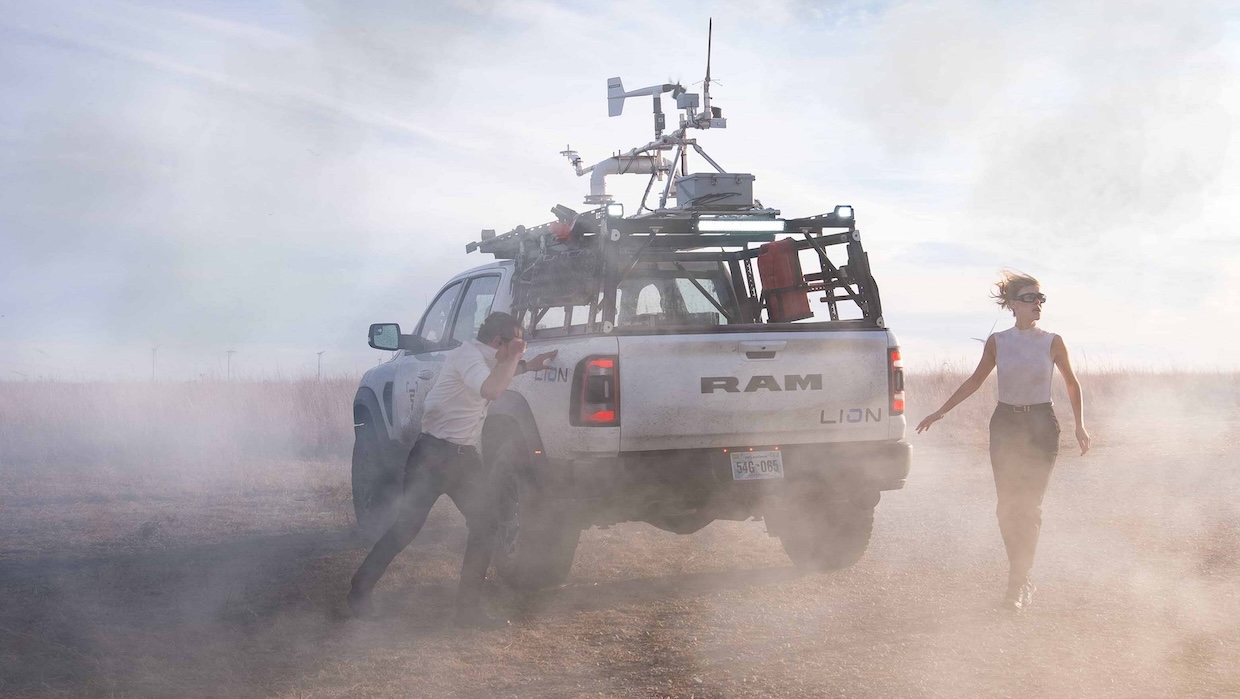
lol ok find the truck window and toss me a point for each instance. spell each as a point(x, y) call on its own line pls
point(556, 318)
point(663, 295)
point(475, 307)
point(697, 304)
point(435, 321)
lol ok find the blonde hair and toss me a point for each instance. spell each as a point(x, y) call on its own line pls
point(1010, 282)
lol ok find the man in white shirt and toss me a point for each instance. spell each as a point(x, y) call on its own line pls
point(445, 459)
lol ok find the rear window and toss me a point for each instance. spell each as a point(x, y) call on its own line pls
point(656, 295)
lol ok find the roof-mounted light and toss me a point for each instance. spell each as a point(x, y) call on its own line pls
point(615, 210)
point(739, 225)
point(843, 211)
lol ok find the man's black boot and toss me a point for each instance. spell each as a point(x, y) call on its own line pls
point(359, 603)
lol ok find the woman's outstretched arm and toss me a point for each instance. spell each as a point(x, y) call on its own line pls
point(971, 384)
point(1059, 352)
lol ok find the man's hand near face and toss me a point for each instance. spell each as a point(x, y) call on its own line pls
point(511, 351)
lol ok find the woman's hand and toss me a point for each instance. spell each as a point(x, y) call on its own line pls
point(1082, 438)
point(930, 420)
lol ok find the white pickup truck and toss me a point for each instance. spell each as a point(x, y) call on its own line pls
point(687, 388)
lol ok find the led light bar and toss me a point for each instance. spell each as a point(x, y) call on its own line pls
point(739, 225)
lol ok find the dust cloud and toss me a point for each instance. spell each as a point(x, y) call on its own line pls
point(196, 540)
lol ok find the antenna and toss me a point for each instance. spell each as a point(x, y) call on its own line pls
point(647, 159)
point(710, 30)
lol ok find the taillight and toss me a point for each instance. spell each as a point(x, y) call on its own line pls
point(897, 382)
point(596, 393)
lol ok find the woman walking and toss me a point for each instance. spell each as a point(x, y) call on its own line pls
point(1024, 433)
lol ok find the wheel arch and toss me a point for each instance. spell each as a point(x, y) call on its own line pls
point(511, 411)
point(366, 403)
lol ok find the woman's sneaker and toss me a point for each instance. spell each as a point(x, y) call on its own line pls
point(1026, 593)
point(1014, 599)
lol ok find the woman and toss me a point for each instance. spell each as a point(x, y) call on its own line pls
point(1024, 433)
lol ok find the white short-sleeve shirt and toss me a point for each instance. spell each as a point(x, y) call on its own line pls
point(455, 408)
point(1023, 358)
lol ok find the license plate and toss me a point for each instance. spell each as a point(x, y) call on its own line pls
point(756, 465)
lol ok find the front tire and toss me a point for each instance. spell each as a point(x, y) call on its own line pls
point(535, 540)
point(376, 487)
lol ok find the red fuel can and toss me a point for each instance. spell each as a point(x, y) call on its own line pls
point(779, 268)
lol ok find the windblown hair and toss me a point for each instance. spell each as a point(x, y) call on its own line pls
point(1010, 282)
point(497, 324)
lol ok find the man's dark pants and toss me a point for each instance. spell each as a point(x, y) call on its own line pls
point(436, 467)
point(1023, 447)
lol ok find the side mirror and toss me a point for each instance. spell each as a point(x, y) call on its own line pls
point(385, 336)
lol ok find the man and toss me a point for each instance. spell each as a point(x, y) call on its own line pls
point(445, 459)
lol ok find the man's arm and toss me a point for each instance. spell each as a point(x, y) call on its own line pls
point(506, 360)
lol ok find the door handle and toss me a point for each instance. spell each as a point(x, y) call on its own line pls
point(760, 349)
point(426, 374)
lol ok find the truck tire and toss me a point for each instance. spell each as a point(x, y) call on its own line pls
point(829, 539)
point(535, 539)
point(376, 486)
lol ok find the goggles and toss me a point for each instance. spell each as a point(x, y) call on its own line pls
point(1032, 298)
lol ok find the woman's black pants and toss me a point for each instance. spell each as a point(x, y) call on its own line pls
point(1024, 441)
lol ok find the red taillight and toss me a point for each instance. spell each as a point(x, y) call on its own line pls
point(596, 393)
point(896, 380)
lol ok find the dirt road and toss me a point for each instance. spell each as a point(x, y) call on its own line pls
point(237, 591)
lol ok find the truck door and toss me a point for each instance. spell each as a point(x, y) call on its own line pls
point(415, 373)
point(452, 319)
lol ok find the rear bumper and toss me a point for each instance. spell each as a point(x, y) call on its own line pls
point(706, 474)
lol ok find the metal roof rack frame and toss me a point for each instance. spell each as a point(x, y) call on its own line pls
point(589, 254)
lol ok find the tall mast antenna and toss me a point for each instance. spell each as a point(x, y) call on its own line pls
point(710, 29)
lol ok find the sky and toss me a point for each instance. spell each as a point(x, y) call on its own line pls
point(179, 180)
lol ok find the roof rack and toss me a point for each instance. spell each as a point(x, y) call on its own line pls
point(580, 259)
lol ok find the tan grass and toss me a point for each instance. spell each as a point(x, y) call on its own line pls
point(173, 425)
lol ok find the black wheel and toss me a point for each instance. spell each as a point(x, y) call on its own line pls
point(376, 486)
point(832, 538)
point(536, 539)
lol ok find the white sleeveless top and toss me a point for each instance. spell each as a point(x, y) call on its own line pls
point(1023, 358)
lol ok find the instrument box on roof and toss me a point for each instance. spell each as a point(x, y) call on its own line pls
point(715, 190)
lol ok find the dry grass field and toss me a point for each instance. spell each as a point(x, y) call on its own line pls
point(195, 539)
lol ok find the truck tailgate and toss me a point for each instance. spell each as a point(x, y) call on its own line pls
point(753, 389)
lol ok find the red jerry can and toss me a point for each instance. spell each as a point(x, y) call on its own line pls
point(779, 267)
